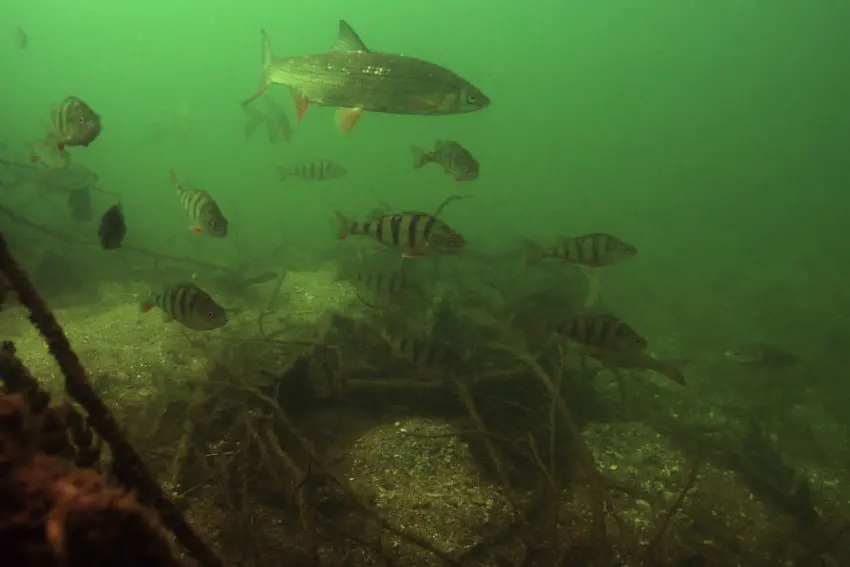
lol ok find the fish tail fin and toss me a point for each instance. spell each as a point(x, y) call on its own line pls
point(33, 155)
point(534, 253)
point(344, 228)
point(253, 118)
point(420, 156)
point(673, 373)
point(672, 369)
point(268, 59)
point(174, 180)
point(146, 302)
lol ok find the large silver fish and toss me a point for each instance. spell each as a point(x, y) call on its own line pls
point(356, 80)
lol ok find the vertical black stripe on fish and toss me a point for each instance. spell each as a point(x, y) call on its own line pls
point(379, 282)
point(169, 298)
point(381, 229)
point(600, 247)
point(164, 300)
point(573, 330)
point(584, 250)
point(395, 228)
point(606, 333)
point(195, 303)
point(412, 236)
point(428, 227)
point(589, 330)
point(571, 251)
point(416, 347)
point(199, 203)
point(431, 356)
point(178, 309)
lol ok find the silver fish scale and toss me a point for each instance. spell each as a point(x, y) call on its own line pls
point(375, 82)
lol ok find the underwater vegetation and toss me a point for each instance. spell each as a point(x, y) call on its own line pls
point(500, 454)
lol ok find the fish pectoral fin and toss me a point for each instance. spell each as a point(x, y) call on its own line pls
point(346, 118)
point(592, 276)
point(195, 229)
point(302, 105)
point(348, 40)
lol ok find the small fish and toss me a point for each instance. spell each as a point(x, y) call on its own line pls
point(112, 228)
point(454, 158)
point(414, 234)
point(389, 285)
point(760, 354)
point(273, 117)
point(355, 79)
point(21, 38)
point(202, 209)
point(601, 333)
point(79, 204)
point(593, 250)
point(73, 123)
point(188, 304)
point(48, 153)
point(425, 355)
point(642, 360)
point(317, 170)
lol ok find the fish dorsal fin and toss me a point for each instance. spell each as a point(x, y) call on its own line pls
point(348, 40)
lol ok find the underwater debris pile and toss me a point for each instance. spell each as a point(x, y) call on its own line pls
point(323, 443)
point(57, 508)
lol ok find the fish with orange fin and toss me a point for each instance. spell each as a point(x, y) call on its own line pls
point(356, 80)
point(451, 156)
point(202, 209)
point(73, 123)
point(589, 251)
point(48, 153)
point(414, 234)
point(188, 304)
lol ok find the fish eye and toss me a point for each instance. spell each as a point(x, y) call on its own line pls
point(210, 314)
point(471, 98)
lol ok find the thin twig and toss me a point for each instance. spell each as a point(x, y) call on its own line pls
point(687, 485)
point(535, 454)
point(469, 403)
point(71, 239)
point(586, 457)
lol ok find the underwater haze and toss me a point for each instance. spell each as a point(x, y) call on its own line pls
point(712, 135)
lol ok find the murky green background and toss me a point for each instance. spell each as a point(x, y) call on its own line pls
point(713, 135)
